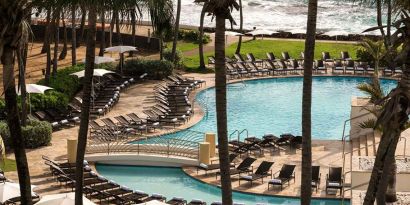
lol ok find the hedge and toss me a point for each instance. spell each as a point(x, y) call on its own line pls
point(35, 134)
point(156, 69)
point(193, 36)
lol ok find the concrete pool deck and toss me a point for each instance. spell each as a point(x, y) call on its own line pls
point(325, 152)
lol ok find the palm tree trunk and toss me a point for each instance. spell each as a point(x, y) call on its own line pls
point(176, 32)
point(112, 27)
point(379, 16)
point(13, 122)
point(201, 37)
point(85, 107)
point(161, 47)
point(306, 189)
point(102, 42)
point(21, 61)
point(47, 31)
point(238, 48)
point(63, 53)
point(82, 25)
point(56, 42)
point(391, 184)
point(221, 116)
point(133, 29)
point(117, 27)
point(48, 58)
point(73, 37)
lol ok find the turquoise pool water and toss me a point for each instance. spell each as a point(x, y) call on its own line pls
point(275, 106)
point(173, 182)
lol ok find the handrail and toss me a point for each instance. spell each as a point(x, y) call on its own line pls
point(230, 135)
point(405, 145)
point(244, 130)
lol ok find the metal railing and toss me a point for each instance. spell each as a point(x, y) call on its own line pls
point(119, 140)
point(239, 133)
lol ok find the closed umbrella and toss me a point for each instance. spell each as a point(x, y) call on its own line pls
point(9, 190)
point(62, 199)
point(33, 88)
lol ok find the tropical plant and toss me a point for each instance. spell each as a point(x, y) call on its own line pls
point(376, 49)
point(221, 10)
point(306, 190)
point(14, 33)
point(372, 89)
point(393, 117)
point(176, 33)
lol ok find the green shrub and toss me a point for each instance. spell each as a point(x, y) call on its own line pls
point(156, 69)
point(35, 134)
point(193, 36)
point(51, 99)
point(167, 54)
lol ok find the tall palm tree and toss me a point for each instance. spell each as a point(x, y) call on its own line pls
point(394, 115)
point(201, 36)
point(85, 106)
point(306, 190)
point(176, 32)
point(56, 40)
point(63, 53)
point(73, 34)
point(238, 48)
point(221, 9)
point(14, 31)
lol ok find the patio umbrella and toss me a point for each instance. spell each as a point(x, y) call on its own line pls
point(97, 72)
point(121, 50)
point(10, 190)
point(62, 199)
point(153, 202)
point(33, 88)
point(231, 33)
point(102, 59)
point(261, 32)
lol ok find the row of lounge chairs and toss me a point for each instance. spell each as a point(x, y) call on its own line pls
point(100, 189)
point(269, 141)
point(240, 67)
point(57, 118)
point(334, 180)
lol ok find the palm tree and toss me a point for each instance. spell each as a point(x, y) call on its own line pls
point(85, 106)
point(238, 48)
point(393, 117)
point(221, 9)
point(102, 41)
point(73, 35)
point(176, 32)
point(63, 53)
point(201, 36)
point(306, 190)
point(10, 40)
point(376, 50)
point(56, 40)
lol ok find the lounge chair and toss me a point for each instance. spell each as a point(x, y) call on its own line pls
point(350, 66)
point(197, 202)
point(136, 196)
point(337, 67)
point(271, 57)
point(211, 60)
point(244, 167)
point(155, 196)
point(319, 66)
point(334, 180)
point(286, 56)
point(286, 173)
point(177, 201)
point(247, 148)
point(251, 58)
point(360, 68)
point(316, 177)
point(326, 57)
point(231, 71)
point(2, 177)
point(211, 166)
point(295, 66)
point(260, 173)
point(344, 55)
point(282, 67)
point(261, 70)
point(239, 57)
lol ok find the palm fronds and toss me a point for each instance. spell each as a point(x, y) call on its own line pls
point(372, 89)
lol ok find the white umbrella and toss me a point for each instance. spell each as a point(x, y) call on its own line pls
point(62, 199)
point(10, 190)
point(298, 31)
point(261, 32)
point(102, 59)
point(153, 202)
point(232, 33)
point(97, 72)
point(120, 49)
point(33, 88)
point(336, 33)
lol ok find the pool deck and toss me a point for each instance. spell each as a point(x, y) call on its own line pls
point(325, 152)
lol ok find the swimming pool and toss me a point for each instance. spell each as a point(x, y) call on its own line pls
point(275, 106)
point(173, 182)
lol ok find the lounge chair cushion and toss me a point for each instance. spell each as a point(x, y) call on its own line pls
point(247, 177)
point(125, 188)
point(314, 183)
point(139, 192)
point(275, 181)
point(216, 203)
point(203, 166)
point(197, 201)
point(333, 184)
point(101, 178)
point(178, 199)
point(157, 195)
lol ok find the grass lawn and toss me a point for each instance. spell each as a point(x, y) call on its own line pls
point(260, 47)
point(10, 165)
point(183, 46)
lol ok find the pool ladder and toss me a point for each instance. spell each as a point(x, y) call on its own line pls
point(239, 133)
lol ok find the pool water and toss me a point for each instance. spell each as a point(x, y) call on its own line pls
point(173, 182)
point(275, 106)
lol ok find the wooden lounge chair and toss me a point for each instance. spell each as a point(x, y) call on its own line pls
point(344, 55)
point(320, 66)
point(155, 196)
point(211, 60)
point(350, 66)
point(337, 67)
point(286, 173)
point(260, 173)
point(295, 66)
point(286, 56)
point(211, 166)
point(177, 201)
point(334, 180)
point(244, 167)
point(316, 177)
